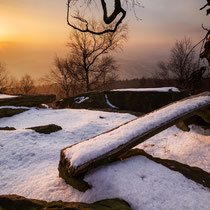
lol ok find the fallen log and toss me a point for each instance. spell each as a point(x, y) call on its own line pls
point(105, 148)
point(27, 100)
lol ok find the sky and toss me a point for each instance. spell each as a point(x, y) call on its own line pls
point(33, 33)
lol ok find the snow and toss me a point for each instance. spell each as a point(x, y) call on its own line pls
point(161, 89)
point(79, 100)
point(99, 145)
point(108, 102)
point(3, 96)
point(29, 162)
point(191, 148)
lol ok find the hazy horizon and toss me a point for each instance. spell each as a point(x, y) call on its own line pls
point(32, 33)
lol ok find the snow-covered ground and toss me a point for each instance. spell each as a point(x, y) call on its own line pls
point(161, 89)
point(191, 148)
point(29, 162)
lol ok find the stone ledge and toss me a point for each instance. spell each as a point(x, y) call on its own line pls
point(16, 202)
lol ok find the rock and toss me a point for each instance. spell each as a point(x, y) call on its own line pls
point(205, 115)
point(46, 129)
point(16, 202)
point(143, 102)
point(8, 112)
point(28, 100)
point(7, 128)
point(183, 126)
point(201, 118)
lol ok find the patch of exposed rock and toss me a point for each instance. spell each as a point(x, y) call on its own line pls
point(16, 202)
point(46, 129)
point(8, 112)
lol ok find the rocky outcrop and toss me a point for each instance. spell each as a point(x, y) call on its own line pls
point(15, 202)
point(27, 100)
point(143, 102)
point(8, 112)
point(46, 129)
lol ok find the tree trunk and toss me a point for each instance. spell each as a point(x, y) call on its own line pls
point(87, 80)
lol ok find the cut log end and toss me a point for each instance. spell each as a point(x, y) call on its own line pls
point(64, 169)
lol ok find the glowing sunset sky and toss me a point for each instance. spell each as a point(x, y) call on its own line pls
point(32, 33)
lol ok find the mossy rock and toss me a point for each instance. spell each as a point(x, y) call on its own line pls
point(46, 129)
point(16, 202)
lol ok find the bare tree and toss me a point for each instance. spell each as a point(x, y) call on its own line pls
point(107, 72)
point(63, 76)
point(181, 62)
point(87, 51)
point(26, 84)
point(5, 82)
point(206, 51)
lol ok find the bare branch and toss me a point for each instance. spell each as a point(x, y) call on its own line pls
point(117, 10)
point(207, 4)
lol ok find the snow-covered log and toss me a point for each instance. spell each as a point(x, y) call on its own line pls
point(105, 148)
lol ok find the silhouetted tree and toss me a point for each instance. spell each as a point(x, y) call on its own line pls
point(5, 81)
point(63, 76)
point(107, 69)
point(180, 64)
point(88, 51)
point(26, 85)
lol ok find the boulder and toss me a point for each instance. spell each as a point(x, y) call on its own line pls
point(27, 100)
point(16, 202)
point(46, 129)
point(8, 112)
point(143, 102)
